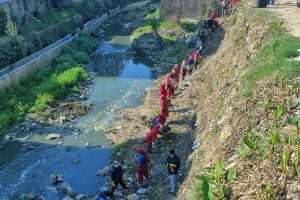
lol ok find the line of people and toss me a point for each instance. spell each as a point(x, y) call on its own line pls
point(157, 123)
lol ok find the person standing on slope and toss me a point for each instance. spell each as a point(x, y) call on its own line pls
point(143, 161)
point(116, 178)
point(184, 69)
point(173, 163)
point(190, 64)
point(224, 5)
point(196, 59)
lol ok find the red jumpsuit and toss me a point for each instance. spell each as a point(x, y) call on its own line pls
point(176, 74)
point(154, 131)
point(162, 89)
point(213, 16)
point(164, 106)
point(143, 170)
point(149, 140)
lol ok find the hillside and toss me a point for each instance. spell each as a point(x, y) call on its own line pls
point(241, 108)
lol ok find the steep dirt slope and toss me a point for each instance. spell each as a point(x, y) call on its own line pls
point(227, 111)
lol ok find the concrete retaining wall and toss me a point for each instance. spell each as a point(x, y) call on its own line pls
point(26, 67)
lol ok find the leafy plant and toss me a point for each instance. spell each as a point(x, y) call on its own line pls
point(207, 190)
point(278, 112)
point(274, 139)
point(285, 168)
point(270, 194)
point(296, 121)
point(248, 143)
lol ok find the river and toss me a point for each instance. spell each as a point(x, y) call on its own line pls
point(120, 81)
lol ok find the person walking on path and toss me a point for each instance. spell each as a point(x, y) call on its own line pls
point(190, 64)
point(184, 69)
point(224, 5)
point(173, 162)
point(116, 178)
point(173, 166)
point(272, 2)
point(142, 165)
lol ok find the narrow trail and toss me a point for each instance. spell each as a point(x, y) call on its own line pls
point(289, 12)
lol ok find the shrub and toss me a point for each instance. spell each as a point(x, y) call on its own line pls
point(3, 20)
point(11, 28)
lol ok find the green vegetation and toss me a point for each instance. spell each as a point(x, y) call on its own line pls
point(11, 28)
point(273, 59)
point(52, 17)
point(214, 183)
point(153, 23)
point(3, 20)
point(47, 85)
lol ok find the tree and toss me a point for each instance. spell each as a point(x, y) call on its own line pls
point(3, 19)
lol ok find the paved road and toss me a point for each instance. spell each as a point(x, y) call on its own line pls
point(290, 13)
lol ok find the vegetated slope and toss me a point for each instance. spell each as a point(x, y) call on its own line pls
point(246, 98)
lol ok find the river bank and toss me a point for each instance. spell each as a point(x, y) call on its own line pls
point(116, 81)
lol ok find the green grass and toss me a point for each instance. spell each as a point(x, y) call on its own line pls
point(273, 58)
point(153, 23)
point(47, 85)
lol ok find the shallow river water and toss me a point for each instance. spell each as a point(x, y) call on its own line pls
point(120, 82)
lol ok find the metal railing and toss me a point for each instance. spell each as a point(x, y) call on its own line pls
point(52, 46)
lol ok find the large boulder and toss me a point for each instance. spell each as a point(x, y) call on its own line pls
point(147, 43)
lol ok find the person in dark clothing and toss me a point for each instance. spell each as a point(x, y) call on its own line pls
point(173, 166)
point(116, 178)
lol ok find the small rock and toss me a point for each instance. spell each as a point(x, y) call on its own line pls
point(119, 154)
point(142, 191)
point(134, 197)
point(80, 197)
point(55, 178)
point(52, 136)
point(67, 198)
point(68, 190)
point(62, 119)
point(82, 97)
point(31, 148)
point(76, 161)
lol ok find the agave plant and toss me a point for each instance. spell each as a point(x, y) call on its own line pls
point(274, 139)
point(284, 167)
point(278, 112)
point(296, 121)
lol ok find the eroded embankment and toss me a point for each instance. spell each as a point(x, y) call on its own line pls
point(243, 96)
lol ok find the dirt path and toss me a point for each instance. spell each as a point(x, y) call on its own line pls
point(290, 13)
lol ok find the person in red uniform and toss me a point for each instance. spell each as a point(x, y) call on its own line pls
point(164, 106)
point(176, 74)
point(159, 119)
point(149, 140)
point(170, 88)
point(184, 69)
point(162, 89)
point(196, 59)
point(213, 17)
point(142, 165)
